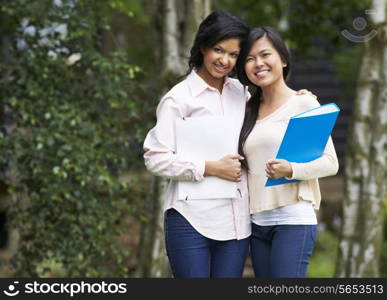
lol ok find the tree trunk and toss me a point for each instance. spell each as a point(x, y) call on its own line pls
point(176, 23)
point(180, 22)
point(361, 233)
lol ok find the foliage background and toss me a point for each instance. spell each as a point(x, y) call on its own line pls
point(66, 139)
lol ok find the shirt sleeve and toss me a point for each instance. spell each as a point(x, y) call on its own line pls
point(247, 94)
point(326, 165)
point(160, 146)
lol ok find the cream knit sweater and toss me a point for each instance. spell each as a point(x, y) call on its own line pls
point(263, 144)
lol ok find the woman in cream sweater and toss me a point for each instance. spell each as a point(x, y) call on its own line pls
point(284, 224)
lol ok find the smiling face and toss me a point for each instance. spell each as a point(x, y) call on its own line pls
point(219, 60)
point(263, 64)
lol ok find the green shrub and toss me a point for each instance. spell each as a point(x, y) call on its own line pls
point(65, 137)
point(323, 260)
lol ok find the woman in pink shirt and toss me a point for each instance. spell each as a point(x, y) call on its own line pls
point(206, 237)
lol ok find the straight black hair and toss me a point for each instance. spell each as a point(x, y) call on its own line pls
point(252, 106)
point(217, 26)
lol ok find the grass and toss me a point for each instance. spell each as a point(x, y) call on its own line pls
point(323, 260)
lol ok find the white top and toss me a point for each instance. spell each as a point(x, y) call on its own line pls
point(263, 144)
point(219, 219)
point(300, 213)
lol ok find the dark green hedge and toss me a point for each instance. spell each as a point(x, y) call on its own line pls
point(66, 129)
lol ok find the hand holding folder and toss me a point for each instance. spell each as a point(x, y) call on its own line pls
point(306, 137)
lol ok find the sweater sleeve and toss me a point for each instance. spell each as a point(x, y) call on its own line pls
point(160, 146)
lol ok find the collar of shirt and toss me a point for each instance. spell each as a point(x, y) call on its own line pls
point(197, 84)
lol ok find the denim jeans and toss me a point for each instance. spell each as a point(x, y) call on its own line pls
point(282, 250)
point(191, 254)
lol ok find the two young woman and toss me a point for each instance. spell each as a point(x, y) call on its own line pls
point(210, 238)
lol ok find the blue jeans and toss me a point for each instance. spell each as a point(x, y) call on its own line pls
point(282, 250)
point(191, 254)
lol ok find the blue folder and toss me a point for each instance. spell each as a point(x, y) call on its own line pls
point(306, 137)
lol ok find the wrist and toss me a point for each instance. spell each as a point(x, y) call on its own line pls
point(290, 171)
point(210, 168)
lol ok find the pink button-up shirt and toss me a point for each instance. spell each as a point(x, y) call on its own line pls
point(218, 219)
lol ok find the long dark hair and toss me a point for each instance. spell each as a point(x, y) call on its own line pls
point(252, 106)
point(217, 26)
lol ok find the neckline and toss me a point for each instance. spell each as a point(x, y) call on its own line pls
point(226, 81)
point(277, 110)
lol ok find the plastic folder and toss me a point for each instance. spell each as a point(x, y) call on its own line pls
point(201, 139)
point(306, 137)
